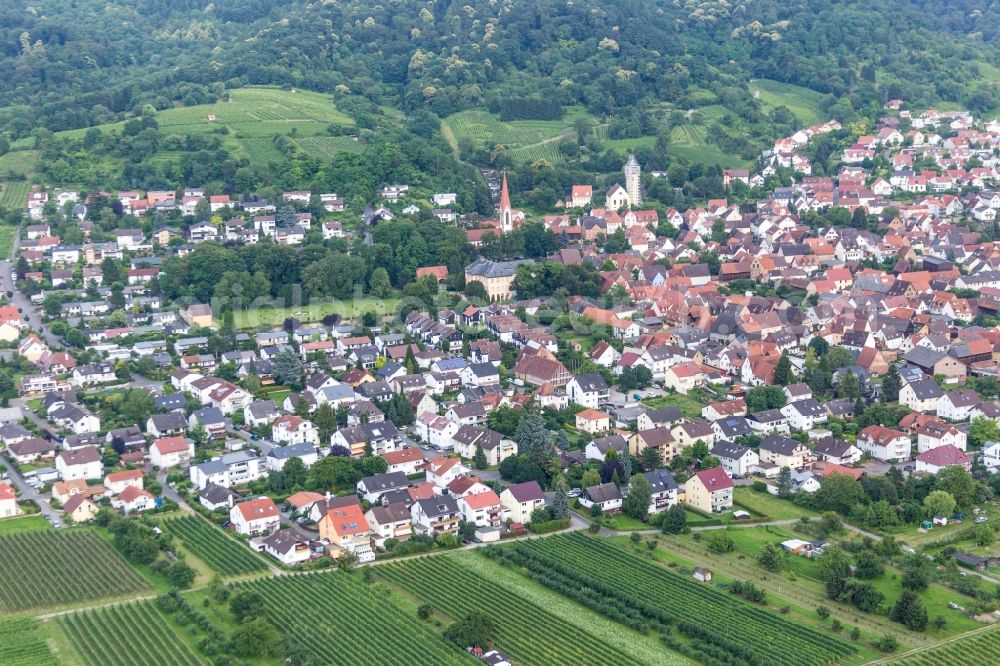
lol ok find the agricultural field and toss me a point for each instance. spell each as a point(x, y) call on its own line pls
point(14, 194)
point(210, 545)
point(130, 634)
point(339, 620)
point(536, 626)
point(328, 147)
point(261, 149)
point(21, 644)
point(43, 569)
point(690, 141)
point(982, 647)
point(18, 163)
point(525, 140)
point(644, 595)
point(802, 102)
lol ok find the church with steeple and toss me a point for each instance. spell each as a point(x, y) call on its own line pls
point(630, 196)
point(505, 213)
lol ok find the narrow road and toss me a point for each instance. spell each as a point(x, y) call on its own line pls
point(27, 492)
point(30, 314)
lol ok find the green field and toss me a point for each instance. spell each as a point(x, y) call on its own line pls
point(6, 240)
point(18, 163)
point(126, 635)
point(14, 194)
point(533, 625)
point(525, 140)
point(314, 312)
point(691, 403)
point(251, 117)
point(213, 547)
point(328, 147)
point(31, 523)
point(690, 141)
point(802, 102)
point(982, 647)
point(641, 594)
point(339, 620)
point(769, 505)
point(44, 569)
point(21, 644)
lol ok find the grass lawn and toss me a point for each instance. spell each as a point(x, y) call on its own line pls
point(691, 404)
point(769, 505)
point(24, 524)
point(6, 240)
point(351, 309)
point(912, 534)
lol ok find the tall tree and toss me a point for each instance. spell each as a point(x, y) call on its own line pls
point(891, 384)
point(783, 370)
point(636, 504)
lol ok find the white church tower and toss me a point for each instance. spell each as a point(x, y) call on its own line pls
point(632, 172)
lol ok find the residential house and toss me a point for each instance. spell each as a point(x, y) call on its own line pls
point(592, 421)
point(482, 509)
point(934, 460)
point(588, 390)
point(256, 517)
point(709, 491)
point(836, 451)
point(436, 515)
point(169, 452)
point(391, 521)
point(606, 496)
point(82, 463)
point(884, 444)
point(784, 452)
point(287, 547)
point(520, 500)
point(347, 530)
point(737, 461)
point(663, 490)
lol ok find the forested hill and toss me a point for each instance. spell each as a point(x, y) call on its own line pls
point(74, 63)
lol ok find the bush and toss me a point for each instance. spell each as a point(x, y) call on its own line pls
point(887, 643)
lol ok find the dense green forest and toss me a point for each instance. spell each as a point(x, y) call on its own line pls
point(632, 68)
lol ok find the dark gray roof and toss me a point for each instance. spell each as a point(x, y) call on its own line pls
point(780, 444)
point(660, 480)
point(727, 450)
point(603, 493)
point(591, 381)
point(491, 269)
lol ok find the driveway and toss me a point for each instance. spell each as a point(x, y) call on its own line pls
point(27, 492)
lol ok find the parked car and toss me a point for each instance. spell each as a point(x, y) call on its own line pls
point(574, 492)
point(981, 519)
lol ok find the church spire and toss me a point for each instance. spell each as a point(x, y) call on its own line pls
point(504, 195)
point(506, 211)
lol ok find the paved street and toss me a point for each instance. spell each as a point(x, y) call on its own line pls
point(30, 314)
point(29, 493)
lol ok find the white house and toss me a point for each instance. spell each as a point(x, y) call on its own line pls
point(884, 443)
point(588, 390)
point(521, 499)
point(81, 463)
point(287, 547)
point(921, 395)
point(291, 429)
point(938, 433)
point(482, 509)
point(804, 414)
point(278, 456)
point(736, 460)
point(171, 452)
point(255, 517)
point(957, 405)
